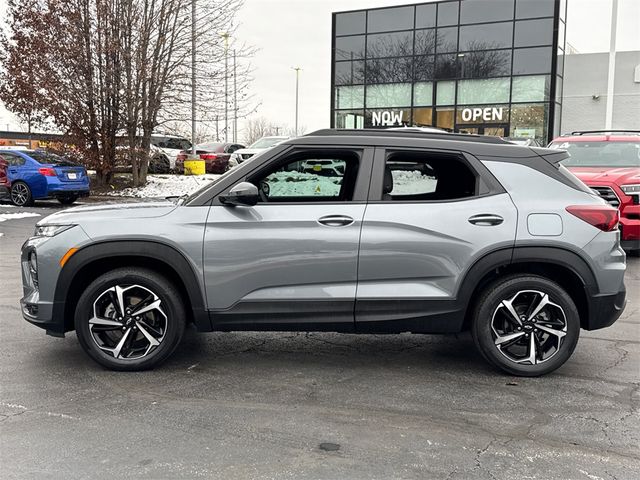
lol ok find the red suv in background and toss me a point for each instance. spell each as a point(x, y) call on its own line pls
point(609, 163)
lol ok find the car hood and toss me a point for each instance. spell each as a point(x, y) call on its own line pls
point(619, 176)
point(109, 211)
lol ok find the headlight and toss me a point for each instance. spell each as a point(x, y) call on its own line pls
point(50, 230)
point(631, 189)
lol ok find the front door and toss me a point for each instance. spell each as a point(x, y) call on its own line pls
point(290, 260)
point(430, 218)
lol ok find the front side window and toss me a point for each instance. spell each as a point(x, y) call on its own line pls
point(310, 178)
point(411, 176)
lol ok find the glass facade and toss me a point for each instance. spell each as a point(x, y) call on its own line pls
point(479, 66)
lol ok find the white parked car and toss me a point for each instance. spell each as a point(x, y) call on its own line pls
point(243, 154)
point(165, 150)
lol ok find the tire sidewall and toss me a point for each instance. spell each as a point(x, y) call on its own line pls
point(172, 307)
point(507, 288)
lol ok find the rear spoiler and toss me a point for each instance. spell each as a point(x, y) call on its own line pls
point(554, 157)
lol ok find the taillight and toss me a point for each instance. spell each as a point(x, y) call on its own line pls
point(208, 156)
point(47, 172)
point(602, 217)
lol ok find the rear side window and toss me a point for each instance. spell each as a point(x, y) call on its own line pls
point(13, 160)
point(411, 176)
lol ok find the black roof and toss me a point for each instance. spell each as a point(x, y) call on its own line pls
point(409, 133)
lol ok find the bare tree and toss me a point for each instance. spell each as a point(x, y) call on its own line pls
point(256, 128)
point(104, 68)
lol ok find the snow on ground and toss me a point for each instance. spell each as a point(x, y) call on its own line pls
point(160, 186)
point(15, 216)
point(297, 184)
point(407, 182)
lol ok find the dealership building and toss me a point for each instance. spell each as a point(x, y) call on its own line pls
point(491, 67)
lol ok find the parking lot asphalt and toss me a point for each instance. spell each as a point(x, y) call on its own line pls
point(312, 406)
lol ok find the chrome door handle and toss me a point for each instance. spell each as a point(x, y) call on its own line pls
point(335, 220)
point(486, 220)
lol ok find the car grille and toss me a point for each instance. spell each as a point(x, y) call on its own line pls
point(608, 195)
point(247, 156)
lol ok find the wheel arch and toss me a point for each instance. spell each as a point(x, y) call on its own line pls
point(565, 267)
point(95, 259)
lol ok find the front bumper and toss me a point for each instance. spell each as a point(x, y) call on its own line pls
point(604, 310)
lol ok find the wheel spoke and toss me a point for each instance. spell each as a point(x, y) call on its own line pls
point(514, 315)
point(544, 301)
point(120, 298)
point(532, 357)
point(151, 329)
point(557, 333)
point(116, 351)
point(105, 322)
point(152, 340)
point(152, 306)
point(507, 338)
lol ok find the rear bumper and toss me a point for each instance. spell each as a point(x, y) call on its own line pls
point(4, 191)
point(604, 310)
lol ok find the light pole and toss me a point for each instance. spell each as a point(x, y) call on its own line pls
point(226, 35)
point(193, 78)
point(235, 100)
point(297, 69)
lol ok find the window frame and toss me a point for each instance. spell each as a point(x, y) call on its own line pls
point(361, 188)
point(486, 184)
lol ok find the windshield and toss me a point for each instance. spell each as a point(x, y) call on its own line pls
point(46, 157)
point(600, 154)
point(267, 142)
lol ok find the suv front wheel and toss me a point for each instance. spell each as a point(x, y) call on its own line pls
point(130, 319)
point(526, 325)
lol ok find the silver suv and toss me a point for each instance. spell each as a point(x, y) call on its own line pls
point(419, 232)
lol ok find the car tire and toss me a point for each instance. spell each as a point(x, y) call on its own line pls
point(21, 195)
point(525, 325)
point(124, 340)
point(68, 200)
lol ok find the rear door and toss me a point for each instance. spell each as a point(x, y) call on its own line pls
point(291, 260)
point(431, 216)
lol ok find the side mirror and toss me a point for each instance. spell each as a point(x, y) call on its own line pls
point(243, 194)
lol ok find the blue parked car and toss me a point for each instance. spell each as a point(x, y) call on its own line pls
point(36, 175)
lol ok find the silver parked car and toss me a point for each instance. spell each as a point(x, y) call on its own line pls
point(415, 232)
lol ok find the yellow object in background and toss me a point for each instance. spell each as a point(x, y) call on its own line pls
point(194, 167)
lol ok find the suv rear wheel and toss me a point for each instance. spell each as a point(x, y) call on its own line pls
point(526, 325)
point(130, 319)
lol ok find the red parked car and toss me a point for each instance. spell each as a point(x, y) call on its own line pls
point(609, 163)
point(216, 156)
point(5, 184)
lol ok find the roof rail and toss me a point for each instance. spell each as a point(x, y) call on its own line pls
point(586, 132)
point(374, 132)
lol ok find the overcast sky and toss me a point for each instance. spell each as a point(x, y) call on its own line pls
point(292, 33)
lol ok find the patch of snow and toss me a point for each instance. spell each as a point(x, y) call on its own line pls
point(14, 216)
point(298, 184)
point(7, 205)
point(160, 186)
point(406, 182)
